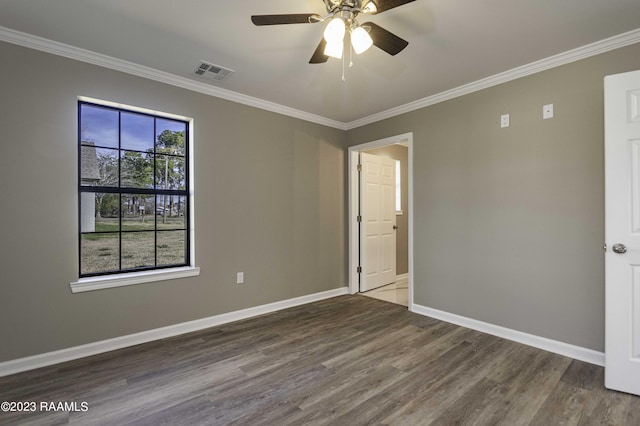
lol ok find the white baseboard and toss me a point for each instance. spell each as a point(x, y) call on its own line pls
point(561, 348)
point(402, 277)
point(56, 357)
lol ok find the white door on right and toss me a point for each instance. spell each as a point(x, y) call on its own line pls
point(622, 232)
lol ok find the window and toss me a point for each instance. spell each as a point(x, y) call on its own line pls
point(133, 189)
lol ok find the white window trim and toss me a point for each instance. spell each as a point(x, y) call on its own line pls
point(132, 278)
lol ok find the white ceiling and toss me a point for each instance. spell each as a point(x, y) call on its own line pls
point(451, 43)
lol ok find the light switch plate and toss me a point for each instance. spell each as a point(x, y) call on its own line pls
point(504, 120)
point(547, 111)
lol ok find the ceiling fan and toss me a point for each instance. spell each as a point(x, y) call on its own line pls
point(342, 15)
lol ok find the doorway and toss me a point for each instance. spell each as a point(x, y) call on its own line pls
point(405, 140)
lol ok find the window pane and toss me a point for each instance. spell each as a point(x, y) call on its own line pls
point(138, 249)
point(171, 212)
point(170, 172)
point(98, 212)
point(99, 253)
point(99, 126)
point(171, 248)
point(98, 166)
point(170, 136)
point(137, 132)
point(137, 212)
point(107, 218)
point(137, 170)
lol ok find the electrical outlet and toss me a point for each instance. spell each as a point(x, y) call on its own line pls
point(504, 120)
point(547, 111)
point(240, 278)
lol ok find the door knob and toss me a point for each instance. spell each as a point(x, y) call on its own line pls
point(619, 248)
point(395, 226)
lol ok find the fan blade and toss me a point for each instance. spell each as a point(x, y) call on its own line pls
point(295, 18)
point(389, 42)
point(382, 5)
point(318, 56)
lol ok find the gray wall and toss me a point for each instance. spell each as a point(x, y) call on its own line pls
point(399, 152)
point(270, 201)
point(509, 223)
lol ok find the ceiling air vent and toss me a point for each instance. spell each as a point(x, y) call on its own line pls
point(213, 72)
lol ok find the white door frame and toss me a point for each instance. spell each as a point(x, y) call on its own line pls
point(352, 172)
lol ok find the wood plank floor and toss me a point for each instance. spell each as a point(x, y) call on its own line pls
point(350, 360)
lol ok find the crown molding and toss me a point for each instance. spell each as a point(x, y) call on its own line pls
point(577, 54)
point(34, 42)
point(49, 46)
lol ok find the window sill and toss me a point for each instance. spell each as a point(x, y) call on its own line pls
point(110, 281)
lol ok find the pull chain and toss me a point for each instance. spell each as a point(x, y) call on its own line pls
point(350, 56)
point(343, 62)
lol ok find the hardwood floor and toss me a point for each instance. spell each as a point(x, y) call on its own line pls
point(350, 360)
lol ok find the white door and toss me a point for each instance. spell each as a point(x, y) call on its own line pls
point(378, 225)
point(622, 232)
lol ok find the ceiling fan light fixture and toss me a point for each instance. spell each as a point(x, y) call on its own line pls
point(342, 17)
point(334, 49)
point(360, 40)
point(335, 30)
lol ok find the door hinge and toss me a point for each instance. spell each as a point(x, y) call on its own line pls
point(359, 167)
point(359, 218)
point(359, 269)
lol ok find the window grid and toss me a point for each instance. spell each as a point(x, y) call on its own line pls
point(121, 191)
